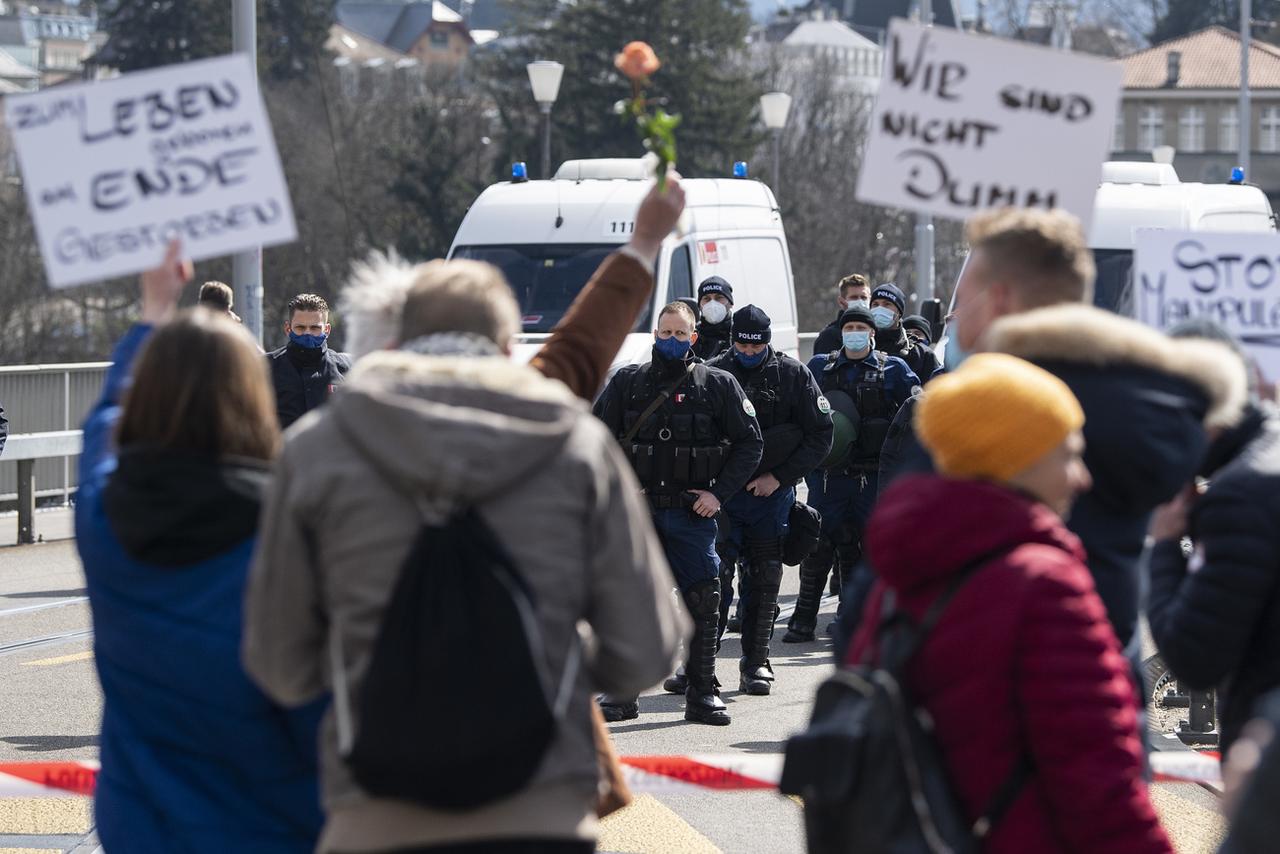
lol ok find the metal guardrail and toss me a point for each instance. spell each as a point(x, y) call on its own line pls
point(26, 449)
point(42, 399)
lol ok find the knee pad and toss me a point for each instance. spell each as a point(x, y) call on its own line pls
point(703, 598)
point(767, 572)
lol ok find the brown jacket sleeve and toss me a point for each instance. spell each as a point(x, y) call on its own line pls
point(586, 339)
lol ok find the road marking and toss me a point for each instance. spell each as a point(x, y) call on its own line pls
point(27, 609)
point(62, 659)
point(648, 825)
point(45, 641)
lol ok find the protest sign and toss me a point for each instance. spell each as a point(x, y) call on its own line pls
point(114, 169)
point(1232, 279)
point(964, 122)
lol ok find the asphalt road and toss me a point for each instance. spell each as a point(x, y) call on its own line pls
point(50, 707)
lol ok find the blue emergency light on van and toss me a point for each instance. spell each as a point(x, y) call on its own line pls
point(519, 172)
point(740, 169)
point(1237, 175)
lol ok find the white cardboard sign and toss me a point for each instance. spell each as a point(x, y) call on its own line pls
point(1233, 279)
point(114, 169)
point(964, 122)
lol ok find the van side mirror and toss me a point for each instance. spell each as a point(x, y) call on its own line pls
point(931, 310)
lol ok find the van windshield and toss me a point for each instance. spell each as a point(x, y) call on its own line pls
point(1113, 288)
point(546, 278)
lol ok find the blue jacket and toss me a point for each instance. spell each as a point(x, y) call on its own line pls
point(900, 382)
point(194, 757)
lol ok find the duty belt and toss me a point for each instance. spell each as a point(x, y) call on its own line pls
point(670, 500)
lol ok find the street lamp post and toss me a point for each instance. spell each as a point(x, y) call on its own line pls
point(544, 79)
point(926, 286)
point(1245, 125)
point(246, 267)
point(774, 107)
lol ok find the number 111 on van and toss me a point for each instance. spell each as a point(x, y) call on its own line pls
point(619, 228)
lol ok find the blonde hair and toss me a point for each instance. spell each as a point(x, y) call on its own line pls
point(460, 296)
point(681, 309)
point(1041, 254)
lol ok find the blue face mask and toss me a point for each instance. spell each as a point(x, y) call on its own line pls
point(953, 354)
point(856, 342)
point(883, 317)
point(310, 342)
point(671, 348)
point(750, 361)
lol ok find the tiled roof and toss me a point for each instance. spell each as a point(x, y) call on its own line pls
point(1210, 60)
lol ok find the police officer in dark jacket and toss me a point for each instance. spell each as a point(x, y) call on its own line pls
point(691, 435)
point(853, 289)
point(919, 329)
point(888, 305)
point(715, 304)
point(4, 429)
point(876, 385)
point(795, 420)
point(305, 371)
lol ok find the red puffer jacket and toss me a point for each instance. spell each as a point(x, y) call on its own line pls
point(1022, 661)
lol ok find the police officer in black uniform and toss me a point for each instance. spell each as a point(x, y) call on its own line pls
point(692, 437)
point(795, 420)
point(875, 386)
point(888, 305)
point(715, 307)
point(305, 371)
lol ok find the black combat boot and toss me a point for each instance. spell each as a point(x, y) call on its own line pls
point(813, 577)
point(702, 705)
point(617, 709)
point(676, 683)
point(757, 630)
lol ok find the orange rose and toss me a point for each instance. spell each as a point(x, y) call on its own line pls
point(637, 61)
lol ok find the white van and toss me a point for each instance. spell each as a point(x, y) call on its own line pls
point(1135, 195)
point(549, 237)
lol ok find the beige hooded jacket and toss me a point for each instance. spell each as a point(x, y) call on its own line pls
point(552, 485)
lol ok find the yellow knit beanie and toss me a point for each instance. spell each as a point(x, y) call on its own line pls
point(994, 417)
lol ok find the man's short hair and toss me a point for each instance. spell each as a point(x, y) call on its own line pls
point(216, 296)
point(308, 302)
point(460, 296)
point(679, 308)
point(1041, 254)
point(853, 280)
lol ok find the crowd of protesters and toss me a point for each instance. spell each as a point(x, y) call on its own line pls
point(241, 578)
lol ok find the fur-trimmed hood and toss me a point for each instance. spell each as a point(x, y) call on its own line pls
point(1084, 335)
point(454, 428)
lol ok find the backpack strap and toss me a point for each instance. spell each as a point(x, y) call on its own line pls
point(1004, 797)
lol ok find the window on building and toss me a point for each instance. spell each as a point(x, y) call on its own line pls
point(439, 38)
point(1117, 132)
point(1150, 128)
point(1191, 129)
point(1229, 129)
point(1270, 140)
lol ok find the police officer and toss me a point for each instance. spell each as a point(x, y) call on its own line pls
point(692, 437)
point(888, 305)
point(305, 371)
point(874, 386)
point(851, 290)
point(715, 303)
point(795, 420)
point(918, 328)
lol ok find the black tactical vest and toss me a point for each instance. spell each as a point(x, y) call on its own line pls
point(680, 446)
point(866, 385)
point(765, 393)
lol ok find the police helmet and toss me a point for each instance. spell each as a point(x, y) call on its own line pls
point(844, 415)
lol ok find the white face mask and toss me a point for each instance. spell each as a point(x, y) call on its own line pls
point(714, 312)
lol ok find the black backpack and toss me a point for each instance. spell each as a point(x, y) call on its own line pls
point(868, 768)
point(460, 622)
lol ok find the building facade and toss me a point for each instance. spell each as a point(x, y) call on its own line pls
point(1185, 93)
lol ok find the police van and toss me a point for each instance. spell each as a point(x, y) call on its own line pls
point(1136, 195)
point(549, 237)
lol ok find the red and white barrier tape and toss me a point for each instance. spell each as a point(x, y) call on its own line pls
point(645, 774)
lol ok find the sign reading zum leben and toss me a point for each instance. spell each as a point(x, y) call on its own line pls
point(1232, 279)
point(964, 122)
point(115, 169)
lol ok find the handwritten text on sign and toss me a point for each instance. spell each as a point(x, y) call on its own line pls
point(964, 122)
point(1232, 279)
point(115, 169)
